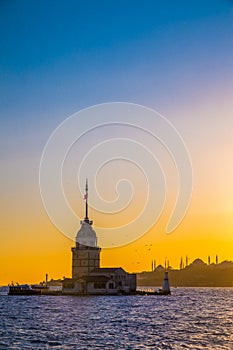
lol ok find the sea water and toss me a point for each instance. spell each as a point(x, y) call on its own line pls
point(191, 318)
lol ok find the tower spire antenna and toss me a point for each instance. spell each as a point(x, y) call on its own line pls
point(86, 219)
point(86, 198)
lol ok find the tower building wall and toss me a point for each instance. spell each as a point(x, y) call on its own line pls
point(84, 260)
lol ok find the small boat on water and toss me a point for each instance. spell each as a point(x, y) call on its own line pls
point(23, 289)
point(162, 292)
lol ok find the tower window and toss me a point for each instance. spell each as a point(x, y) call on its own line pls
point(111, 285)
point(99, 285)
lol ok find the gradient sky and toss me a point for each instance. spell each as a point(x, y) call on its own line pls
point(58, 57)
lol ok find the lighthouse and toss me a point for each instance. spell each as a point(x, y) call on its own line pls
point(166, 284)
point(86, 253)
point(87, 275)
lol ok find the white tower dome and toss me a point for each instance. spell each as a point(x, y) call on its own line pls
point(86, 235)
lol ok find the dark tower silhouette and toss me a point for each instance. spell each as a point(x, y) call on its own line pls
point(86, 253)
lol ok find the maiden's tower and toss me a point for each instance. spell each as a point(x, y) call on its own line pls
point(87, 275)
point(86, 254)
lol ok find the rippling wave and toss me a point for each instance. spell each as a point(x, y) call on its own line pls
point(191, 318)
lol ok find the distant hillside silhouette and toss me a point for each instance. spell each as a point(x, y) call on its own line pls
point(197, 274)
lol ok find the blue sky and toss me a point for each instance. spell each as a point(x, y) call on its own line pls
point(58, 56)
